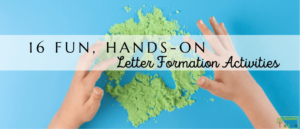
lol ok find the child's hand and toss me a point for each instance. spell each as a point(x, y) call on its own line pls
point(228, 83)
point(235, 85)
point(83, 99)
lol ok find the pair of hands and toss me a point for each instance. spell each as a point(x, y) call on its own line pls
point(83, 99)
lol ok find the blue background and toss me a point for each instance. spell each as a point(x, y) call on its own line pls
point(29, 99)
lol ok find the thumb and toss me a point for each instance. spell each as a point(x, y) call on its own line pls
point(92, 104)
point(210, 85)
point(97, 94)
point(95, 97)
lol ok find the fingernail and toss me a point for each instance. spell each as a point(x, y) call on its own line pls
point(202, 81)
point(201, 22)
point(214, 20)
point(98, 91)
point(223, 24)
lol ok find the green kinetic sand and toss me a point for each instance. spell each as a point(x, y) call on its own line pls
point(146, 96)
point(127, 8)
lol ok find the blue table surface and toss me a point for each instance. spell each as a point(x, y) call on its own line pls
point(29, 99)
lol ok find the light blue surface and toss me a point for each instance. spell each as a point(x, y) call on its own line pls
point(29, 99)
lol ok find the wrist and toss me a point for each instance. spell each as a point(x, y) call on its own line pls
point(253, 93)
point(258, 108)
point(61, 121)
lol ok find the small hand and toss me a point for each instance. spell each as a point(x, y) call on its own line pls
point(83, 99)
point(234, 84)
point(228, 83)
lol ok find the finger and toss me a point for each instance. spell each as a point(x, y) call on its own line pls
point(219, 32)
point(87, 59)
point(211, 38)
point(206, 55)
point(213, 87)
point(93, 103)
point(227, 36)
point(92, 77)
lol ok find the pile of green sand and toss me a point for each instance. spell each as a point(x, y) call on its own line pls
point(146, 96)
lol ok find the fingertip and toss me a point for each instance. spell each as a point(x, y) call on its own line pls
point(98, 41)
point(201, 81)
point(200, 22)
point(114, 60)
point(213, 21)
point(98, 91)
point(101, 43)
point(222, 24)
